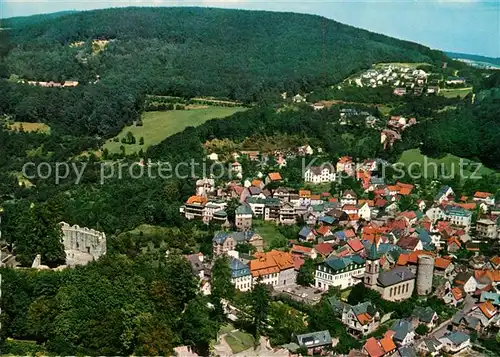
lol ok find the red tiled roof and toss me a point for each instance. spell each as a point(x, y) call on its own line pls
point(408, 242)
point(458, 293)
point(271, 262)
point(380, 202)
point(441, 263)
point(373, 348)
point(495, 260)
point(197, 199)
point(355, 244)
point(364, 318)
point(361, 203)
point(387, 342)
point(403, 259)
point(298, 261)
point(393, 188)
point(492, 275)
point(323, 248)
point(405, 185)
point(301, 249)
point(349, 208)
point(480, 194)
point(304, 193)
point(256, 183)
point(274, 176)
point(323, 230)
point(404, 191)
point(409, 214)
point(488, 309)
point(353, 217)
point(349, 233)
point(454, 240)
point(469, 206)
point(345, 159)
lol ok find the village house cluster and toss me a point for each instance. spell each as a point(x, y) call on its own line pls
point(395, 126)
point(403, 79)
point(358, 240)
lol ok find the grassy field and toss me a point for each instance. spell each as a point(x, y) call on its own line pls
point(239, 341)
point(269, 232)
point(454, 92)
point(157, 126)
point(30, 127)
point(444, 164)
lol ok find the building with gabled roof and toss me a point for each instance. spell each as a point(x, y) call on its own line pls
point(424, 315)
point(223, 241)
point(342, 272)
point(241, 277)
point(393, 285)
point(455, 341)
point(315, 342)
point(243, 217)
point(373, 348)
point(275, 268)
point(404, 333)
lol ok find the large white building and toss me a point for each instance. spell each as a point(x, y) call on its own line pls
point(342, 272)
point(320, 174)
point(241, 277)
point(454, 214)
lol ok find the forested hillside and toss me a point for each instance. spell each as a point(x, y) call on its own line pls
point(246, 55)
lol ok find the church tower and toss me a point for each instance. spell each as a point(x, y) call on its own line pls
point(372, 266)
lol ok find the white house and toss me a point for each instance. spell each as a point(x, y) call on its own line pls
point(298, 99)
point(349, 197)
point(435, 213)
point(455, 341)
point(319, 174)
point(241, 277)
point(443, 194)
point(458, 216)
point(365, 212)
point(467, 281)
point(342, 272)
point(213, 156)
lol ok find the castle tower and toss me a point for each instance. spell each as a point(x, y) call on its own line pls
point(372, 267)
point(425, 273)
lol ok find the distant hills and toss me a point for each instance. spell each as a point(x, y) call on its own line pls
point(198, 51)
point(20, 21)
point(120, 55)
point(475, 58)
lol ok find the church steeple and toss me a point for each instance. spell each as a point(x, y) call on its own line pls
point(373, 253)
point(372, 266)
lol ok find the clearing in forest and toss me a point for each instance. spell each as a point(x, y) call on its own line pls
point(157, 126)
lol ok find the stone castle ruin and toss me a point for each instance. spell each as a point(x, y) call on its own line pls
point(82, 244)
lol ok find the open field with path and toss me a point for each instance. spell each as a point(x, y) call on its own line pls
point(157, 126)
point(454, 92)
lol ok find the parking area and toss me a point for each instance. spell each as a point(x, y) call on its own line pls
point(301, 293)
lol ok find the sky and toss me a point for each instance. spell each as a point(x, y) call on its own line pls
point(468, 26)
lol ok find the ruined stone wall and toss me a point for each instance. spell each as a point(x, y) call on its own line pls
point(84, 240)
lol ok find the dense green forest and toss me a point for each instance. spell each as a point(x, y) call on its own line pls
point(245, 55)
